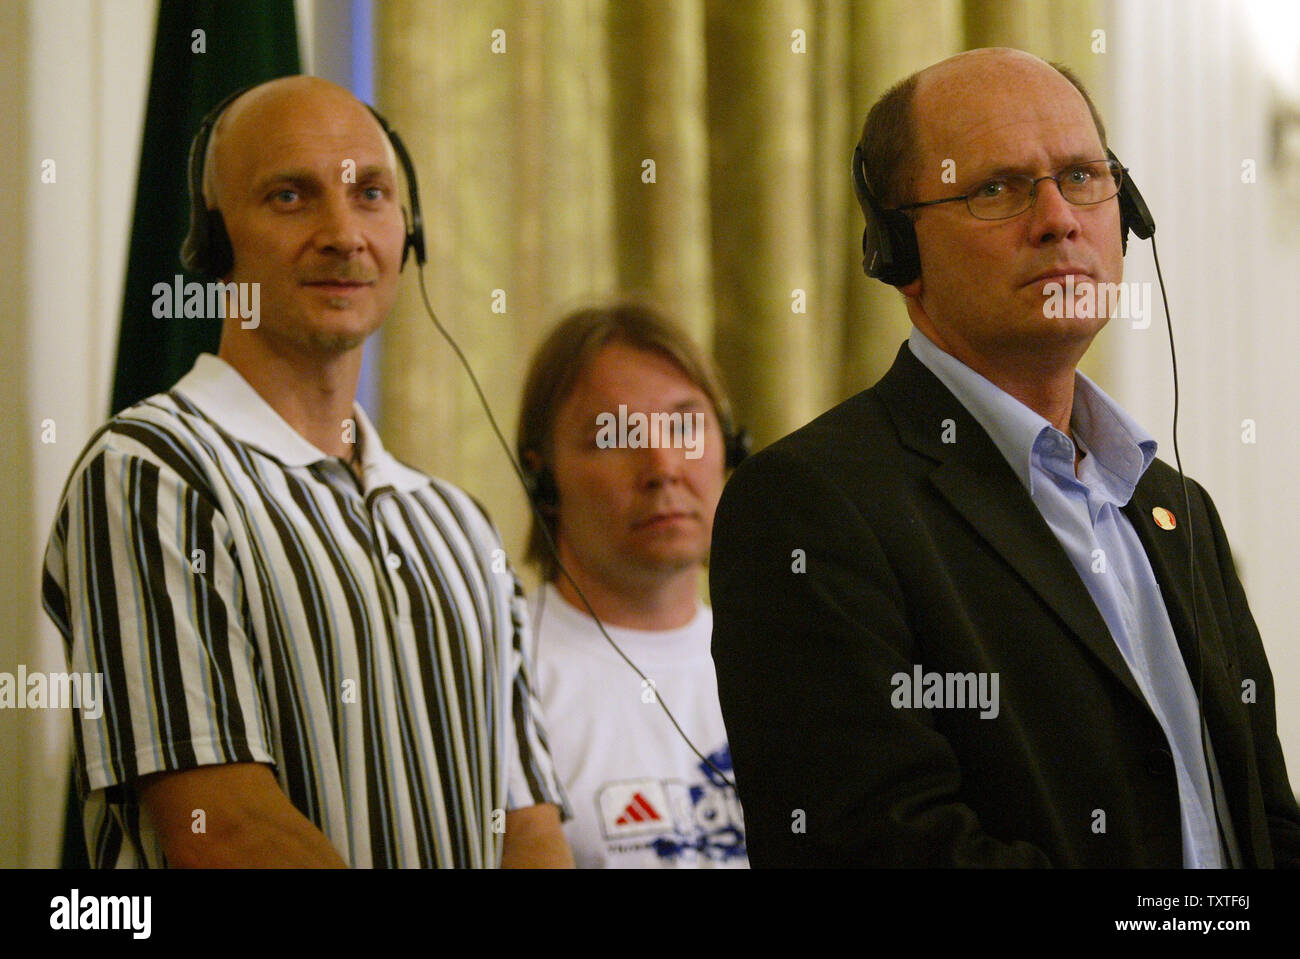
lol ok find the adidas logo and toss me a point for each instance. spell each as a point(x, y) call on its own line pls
point(635, 807)
point(638, 810)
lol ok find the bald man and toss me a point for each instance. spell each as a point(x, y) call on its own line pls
point(312, 654)
point(953, 620)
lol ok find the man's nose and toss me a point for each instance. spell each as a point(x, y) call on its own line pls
point(662, 463)
point(1052, 216)
point(339, 229)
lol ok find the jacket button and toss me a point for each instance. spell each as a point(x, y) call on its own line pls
point(1159, 762)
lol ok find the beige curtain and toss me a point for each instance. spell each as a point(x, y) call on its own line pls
point(696, 151)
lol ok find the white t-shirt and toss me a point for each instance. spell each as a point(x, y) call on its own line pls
point(640, 796)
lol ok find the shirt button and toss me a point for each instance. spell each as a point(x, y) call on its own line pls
point(393, 560)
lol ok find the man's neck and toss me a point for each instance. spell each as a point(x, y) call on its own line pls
point(667, 604)
point(1049, 392)
point(313, 394)
point(1043, 382)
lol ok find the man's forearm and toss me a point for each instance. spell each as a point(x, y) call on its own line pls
point(251, 843)
point(534, 839)
point(233, 816)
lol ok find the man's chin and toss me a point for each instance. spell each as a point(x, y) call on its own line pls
point(1037, 325)
point(672, 558)
point(336, 343)
point(1077, 331)
point(336, 335)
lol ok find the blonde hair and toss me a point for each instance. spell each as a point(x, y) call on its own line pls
point(561, 359)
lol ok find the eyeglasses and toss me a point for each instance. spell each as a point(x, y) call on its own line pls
point(1000, 197)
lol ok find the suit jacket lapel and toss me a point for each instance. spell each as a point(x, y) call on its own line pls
point(977, 481)
point(1167, 552)
point(1230, 735)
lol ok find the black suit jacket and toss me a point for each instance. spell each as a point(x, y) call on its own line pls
point(862, 544)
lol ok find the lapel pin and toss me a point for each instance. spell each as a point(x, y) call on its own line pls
point(1164, 519)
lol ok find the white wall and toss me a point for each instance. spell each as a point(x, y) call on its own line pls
point(82, 69)
point(1192, 101)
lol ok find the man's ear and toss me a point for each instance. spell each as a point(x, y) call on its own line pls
point(915, 311)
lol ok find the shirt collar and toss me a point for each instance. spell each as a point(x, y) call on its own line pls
point(226, 398)
point(1122, 448)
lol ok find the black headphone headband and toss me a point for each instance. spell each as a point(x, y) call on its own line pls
point(889, 251)
point(206, 248)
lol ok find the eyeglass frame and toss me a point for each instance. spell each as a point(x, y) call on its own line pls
point(1116, 169)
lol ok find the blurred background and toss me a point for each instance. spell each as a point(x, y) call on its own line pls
point(696, 151)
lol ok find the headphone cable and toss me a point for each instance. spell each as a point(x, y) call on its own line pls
point(546, 533)
point(1191, 576)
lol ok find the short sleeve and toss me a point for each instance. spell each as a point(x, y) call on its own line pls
point(531, 775)
point(141, 579)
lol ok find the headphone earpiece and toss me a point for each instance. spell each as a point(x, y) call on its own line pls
point(1133, 212)
point(738, 445)
point(206, 248)
point(414, 220)
point(889, 251)
point(216, 247)
point(540, 484)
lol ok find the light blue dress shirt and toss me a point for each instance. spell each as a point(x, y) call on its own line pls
point(1083, 512)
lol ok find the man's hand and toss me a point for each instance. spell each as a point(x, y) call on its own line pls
point(534, 839)
point(248, 820)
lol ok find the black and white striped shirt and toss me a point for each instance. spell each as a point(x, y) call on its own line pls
point(247, 601)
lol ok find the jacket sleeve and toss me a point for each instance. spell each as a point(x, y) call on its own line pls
point(810, 624)
point(1279, 800)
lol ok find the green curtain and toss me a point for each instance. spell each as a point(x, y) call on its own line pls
point(532, 123)
point(203, 50)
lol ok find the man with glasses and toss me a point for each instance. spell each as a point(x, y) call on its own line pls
point(954, 619)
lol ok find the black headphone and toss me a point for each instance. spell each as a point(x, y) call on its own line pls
point(539, 481)
point(889, 251)
point(206, 248)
